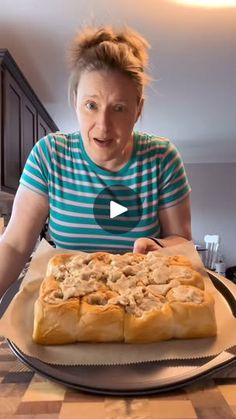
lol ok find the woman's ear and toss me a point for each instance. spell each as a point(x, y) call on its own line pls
point(140, 108)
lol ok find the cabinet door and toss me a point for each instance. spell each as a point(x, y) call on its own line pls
point(43, 128)
point(12, 103)
point(29, 120)
point(1, 127)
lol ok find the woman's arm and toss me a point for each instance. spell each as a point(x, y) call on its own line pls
point(30, 210)
point(175, 222)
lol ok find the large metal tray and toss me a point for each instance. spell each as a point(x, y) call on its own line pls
point(135, 379)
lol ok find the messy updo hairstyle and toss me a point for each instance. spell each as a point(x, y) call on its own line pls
point(106, 48)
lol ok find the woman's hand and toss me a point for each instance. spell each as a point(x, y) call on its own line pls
point(145, 245)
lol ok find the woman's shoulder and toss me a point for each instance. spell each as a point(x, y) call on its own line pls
point(148, 138)
point(152, 142)
point(59, 139)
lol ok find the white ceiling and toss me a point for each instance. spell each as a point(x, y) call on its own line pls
point(192, 99)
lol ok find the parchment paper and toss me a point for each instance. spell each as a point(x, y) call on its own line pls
point(17, 324)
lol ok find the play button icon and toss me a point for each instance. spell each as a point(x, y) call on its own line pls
point(117, 209)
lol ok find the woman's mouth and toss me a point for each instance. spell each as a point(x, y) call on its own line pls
point(102, 142)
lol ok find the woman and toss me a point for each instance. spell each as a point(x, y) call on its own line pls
point(65, 172)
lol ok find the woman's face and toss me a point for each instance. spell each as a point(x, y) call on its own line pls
point(107, 109)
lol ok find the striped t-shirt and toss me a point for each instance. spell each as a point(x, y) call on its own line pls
point(59, 167)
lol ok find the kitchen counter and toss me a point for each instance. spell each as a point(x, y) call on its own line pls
point(25, 394)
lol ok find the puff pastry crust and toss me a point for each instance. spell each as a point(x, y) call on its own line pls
point(102, 297)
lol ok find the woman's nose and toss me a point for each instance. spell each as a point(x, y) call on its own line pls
point(104, 120)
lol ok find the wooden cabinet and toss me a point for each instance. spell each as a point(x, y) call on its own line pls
point(12, 132)
point(29, 127)
point(23, 121)
point(42, 127)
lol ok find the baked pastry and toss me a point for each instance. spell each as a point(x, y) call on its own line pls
point(149, 321)
point(100, 320)
point(55, 319)
point(193, 312)
point(101, 297)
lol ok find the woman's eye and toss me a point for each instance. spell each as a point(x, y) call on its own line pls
point(91, 106)
point(119, 108)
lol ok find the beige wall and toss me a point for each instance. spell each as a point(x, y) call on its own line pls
point(214, 204)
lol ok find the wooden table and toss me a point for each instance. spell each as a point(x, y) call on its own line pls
point(25, 394)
